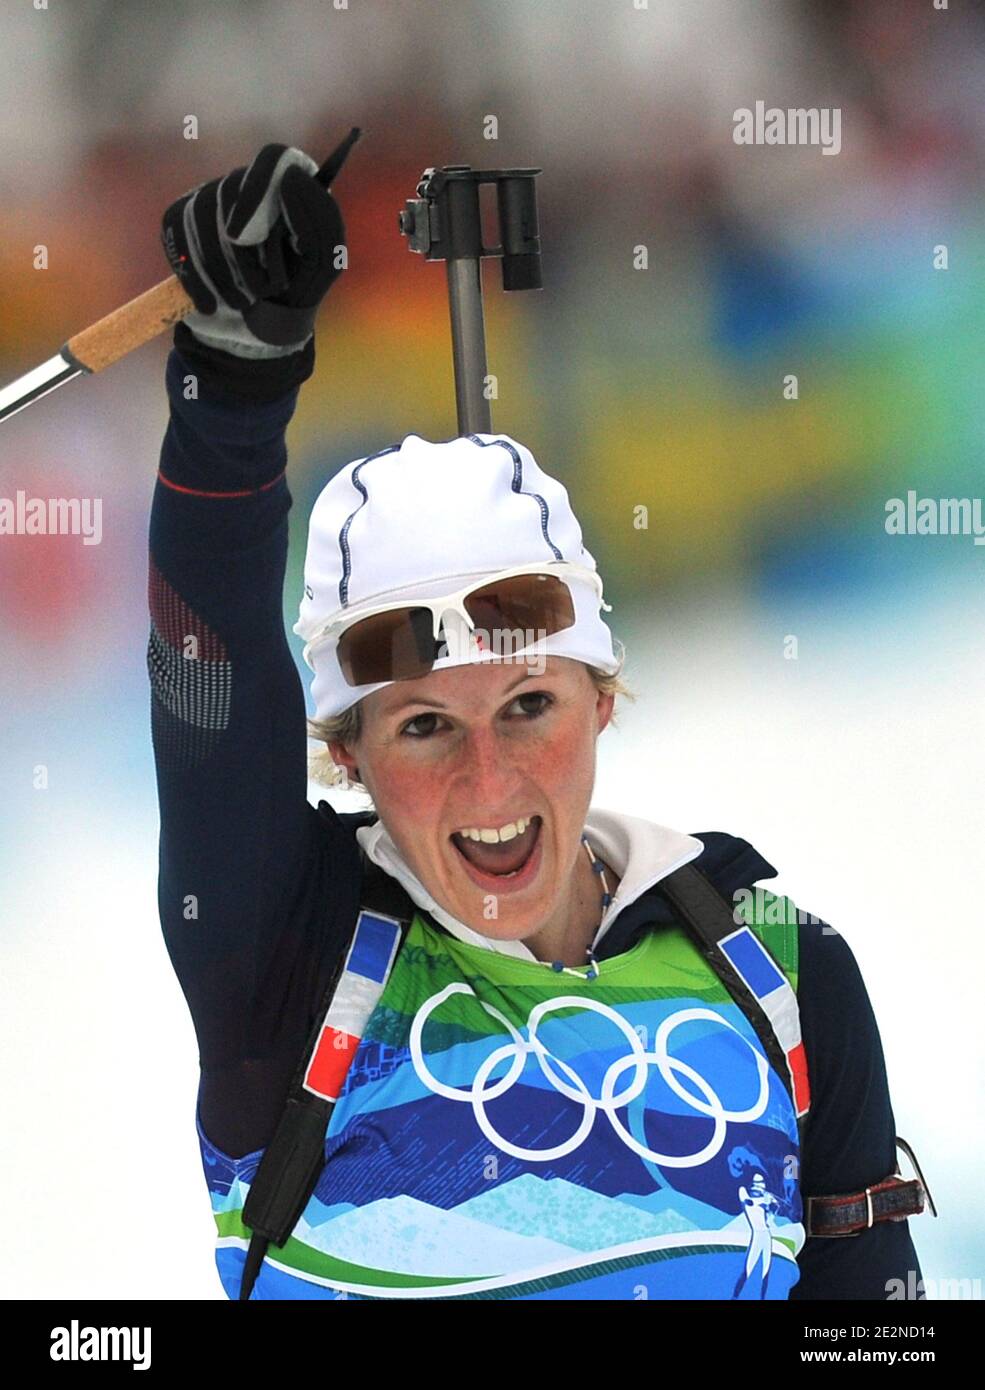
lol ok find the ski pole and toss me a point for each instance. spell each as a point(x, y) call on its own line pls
point(126, 328)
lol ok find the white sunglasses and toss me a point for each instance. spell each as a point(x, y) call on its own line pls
point(374, 647)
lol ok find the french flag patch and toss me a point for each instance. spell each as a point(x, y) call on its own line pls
point(778, 1001)
point(371, 955)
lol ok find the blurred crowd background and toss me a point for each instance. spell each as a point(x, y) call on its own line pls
point(856, 768)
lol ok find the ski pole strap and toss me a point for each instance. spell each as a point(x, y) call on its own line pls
point(749, 973)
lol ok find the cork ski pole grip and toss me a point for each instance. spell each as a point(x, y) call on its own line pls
point(126, 328)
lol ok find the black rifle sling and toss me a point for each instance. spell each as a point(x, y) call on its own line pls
point(291, 1162)
point(709, 919)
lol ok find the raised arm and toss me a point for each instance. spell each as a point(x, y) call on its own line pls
point(242, 855)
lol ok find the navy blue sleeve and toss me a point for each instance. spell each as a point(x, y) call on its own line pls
point(256, 890)
point(850, 1132)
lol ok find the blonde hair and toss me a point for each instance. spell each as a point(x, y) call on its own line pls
point(347, 727)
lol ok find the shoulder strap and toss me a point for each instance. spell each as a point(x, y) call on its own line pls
point(756, 983)
point(749, 973)
point(291, 1162)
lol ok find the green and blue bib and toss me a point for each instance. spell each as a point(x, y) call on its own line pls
point(508, 1131)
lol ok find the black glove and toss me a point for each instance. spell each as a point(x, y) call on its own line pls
point(256, 250)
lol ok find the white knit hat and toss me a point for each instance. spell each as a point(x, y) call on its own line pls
point(420, 519)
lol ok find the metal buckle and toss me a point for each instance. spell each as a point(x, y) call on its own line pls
point(902, 1144)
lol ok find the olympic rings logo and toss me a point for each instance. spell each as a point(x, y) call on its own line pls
point(567, 1082)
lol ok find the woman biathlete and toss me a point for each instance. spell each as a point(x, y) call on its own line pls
point(545, 1051)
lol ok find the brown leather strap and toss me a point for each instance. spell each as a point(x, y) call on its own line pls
point(893, 1199)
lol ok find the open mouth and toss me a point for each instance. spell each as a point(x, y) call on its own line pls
point(504, 860)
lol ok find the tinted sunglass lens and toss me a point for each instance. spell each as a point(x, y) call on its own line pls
point(388, 646)
point(512, 613)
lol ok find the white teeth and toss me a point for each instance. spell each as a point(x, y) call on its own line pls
point(492, 837)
